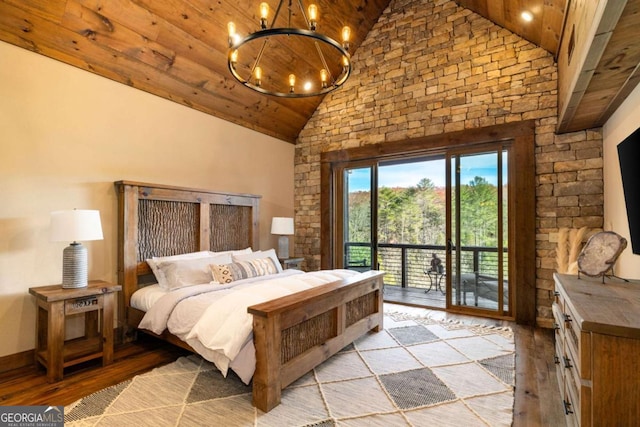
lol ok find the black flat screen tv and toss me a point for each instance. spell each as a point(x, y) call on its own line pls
point(629, 155)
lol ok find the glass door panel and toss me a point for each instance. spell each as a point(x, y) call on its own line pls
point(503, 235)
point(478, 231)
point(411, 227)
point(454, 281)
point(358, 236)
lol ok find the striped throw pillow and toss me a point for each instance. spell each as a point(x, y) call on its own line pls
point(227, 273)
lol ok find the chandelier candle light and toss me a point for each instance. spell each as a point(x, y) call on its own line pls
point(75, 226)
point(290, 45)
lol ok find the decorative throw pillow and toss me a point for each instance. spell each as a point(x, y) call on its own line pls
point(227, 273)
point(271, 253)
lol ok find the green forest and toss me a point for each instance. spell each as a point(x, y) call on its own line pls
point(416, 215)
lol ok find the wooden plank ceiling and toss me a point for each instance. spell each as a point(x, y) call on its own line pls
point(544, 30)
point(177, 49)
point(606, 70)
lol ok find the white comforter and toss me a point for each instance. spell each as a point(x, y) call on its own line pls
point(213, 319)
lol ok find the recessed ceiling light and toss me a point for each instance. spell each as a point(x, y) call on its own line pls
point(527, 16)
point(308, 86)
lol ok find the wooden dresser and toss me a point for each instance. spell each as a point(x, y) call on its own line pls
point(598, 350)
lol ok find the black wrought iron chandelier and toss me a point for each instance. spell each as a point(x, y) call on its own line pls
point(316, 64)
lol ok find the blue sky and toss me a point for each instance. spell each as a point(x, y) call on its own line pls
point(409, 174)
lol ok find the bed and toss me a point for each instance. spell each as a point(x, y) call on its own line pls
point(291, 334)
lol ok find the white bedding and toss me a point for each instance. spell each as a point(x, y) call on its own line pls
point(144, 298)
point(213, 318)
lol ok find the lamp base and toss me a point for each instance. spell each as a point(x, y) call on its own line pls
point(283, 247)
point(74, 266)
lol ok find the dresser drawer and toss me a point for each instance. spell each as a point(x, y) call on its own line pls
point(559, 354)
point(572, 419)
point(557, 296)
point(558, 321)
point(572, 383)
point(578, 343)
point(571, 407)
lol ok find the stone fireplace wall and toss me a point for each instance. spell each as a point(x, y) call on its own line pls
point(430, 67)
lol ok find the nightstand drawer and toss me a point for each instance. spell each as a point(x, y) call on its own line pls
point(83, 305)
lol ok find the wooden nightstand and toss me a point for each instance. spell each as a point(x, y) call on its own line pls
point(291, 262)
point(97, 301)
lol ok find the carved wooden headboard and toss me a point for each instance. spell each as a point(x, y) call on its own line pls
point(161, 220)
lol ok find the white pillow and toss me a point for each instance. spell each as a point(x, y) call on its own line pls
point(153, 264)
point(234, 252)
point(187, 272)
point(271, 253)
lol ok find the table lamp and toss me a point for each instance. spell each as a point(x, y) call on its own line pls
point(75, 226)
point(283, 227)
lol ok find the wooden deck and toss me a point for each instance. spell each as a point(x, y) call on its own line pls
point(416, 297)
point(435, 298)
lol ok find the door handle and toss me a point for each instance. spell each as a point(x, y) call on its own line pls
point(450, 246)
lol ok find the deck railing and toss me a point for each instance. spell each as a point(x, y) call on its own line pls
point(405, 265)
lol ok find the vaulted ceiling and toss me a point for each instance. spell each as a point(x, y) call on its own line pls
point(177, 49)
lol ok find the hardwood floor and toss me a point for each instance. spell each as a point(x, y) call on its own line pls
point(537, 398)
point(29, 386)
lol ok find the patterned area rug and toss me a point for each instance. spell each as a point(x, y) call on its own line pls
point(417, 372)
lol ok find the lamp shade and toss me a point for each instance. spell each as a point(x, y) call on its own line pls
point(75, 225)
point(282, 226)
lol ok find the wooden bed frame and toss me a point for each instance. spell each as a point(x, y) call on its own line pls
point(292, 334)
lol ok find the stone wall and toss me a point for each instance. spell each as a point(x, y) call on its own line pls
point(430, 67)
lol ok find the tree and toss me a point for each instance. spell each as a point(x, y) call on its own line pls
point(478, 216)
point(431, 206)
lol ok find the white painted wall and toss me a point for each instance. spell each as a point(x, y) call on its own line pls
point(66, 135)
point(622, 123)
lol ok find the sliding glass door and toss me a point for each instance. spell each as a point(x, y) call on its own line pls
point(437, 226)
point(481, 259)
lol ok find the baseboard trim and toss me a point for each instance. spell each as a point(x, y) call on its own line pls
point(17, 361)
point(28, 358)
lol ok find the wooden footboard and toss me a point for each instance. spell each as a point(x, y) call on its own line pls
point(295, 333)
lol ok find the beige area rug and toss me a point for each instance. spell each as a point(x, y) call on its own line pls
point(416, 372)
